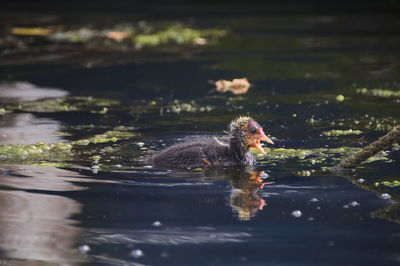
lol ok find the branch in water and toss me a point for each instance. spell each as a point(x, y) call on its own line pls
point(382, 143)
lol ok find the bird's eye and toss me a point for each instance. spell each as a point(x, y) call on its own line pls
point(253, 129)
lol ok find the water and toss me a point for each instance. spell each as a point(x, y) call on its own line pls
point(123, 212)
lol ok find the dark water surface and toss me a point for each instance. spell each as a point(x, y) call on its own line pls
point(126, 213)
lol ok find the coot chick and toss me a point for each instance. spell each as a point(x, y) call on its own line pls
point(244, 133)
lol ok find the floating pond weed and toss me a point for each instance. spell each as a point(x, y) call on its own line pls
point(316, 157)
point(109, 136)
point(128, 35)
point(176, 34)
point(66, 104)
point(394, 183)
point(383, 93)
point(61, 152)
point(339, 132)
point(19, 153)
point(340, 98)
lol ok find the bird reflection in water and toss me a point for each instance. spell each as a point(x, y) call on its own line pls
point(244, 199)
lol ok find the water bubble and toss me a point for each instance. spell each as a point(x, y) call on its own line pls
point(297, 213)
point(346, 206)
point(314, 200)
point(354, 204)
point(137, 253)
point(156, 224)
point(164, 255)
point(140, 144)
point(118, 166)
point(385, 196)
point(361, 180)
point(311, 218)
point(84, 249)
point(95, 169)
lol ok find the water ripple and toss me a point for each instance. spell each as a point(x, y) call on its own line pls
point(168, 236)
point(149, 184)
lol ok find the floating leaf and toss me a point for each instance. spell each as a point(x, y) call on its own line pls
point(31, 31)
point(236, 86)
point(118, 35)
point(200, 41)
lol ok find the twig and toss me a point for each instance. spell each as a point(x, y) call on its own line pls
point(382, 143)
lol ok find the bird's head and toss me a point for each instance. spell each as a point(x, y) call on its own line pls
point(249, 133)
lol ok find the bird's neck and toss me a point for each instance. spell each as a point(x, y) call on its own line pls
point(241, 152)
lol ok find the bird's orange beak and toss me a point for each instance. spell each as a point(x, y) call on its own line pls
point(258, 137)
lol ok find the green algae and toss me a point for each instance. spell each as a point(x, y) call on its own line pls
point(188, 107)
point(365, 123)
point(379, 93)
point(101, 138)
point(109, 136)
point(304, 173)
point(66, 104)
point(340, 98)
point(383, 124)
point(52, 164)
point(396, 147)
point(128, 36)
point(176, 34)
point(102, 111)
point(95, 159)
point(42, 153)
point(35, 152)
point(282, 153)
point(171, 107)
point(380, 156)
point(312, 121)
point(339, 132)
point(394, 183)
point(93, 101)
point(48, 105)
point(316, 157)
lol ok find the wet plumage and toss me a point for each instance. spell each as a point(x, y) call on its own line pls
point(234, 149)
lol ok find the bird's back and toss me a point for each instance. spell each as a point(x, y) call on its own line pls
point(191, 154)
